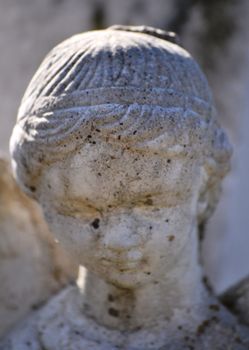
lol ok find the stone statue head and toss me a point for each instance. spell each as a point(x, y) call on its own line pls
point(117, 138)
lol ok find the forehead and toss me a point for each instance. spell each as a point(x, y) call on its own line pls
point(109, 173)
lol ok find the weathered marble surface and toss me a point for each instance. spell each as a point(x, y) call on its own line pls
point(61, 325)
point(117, 140)
point(36, 26)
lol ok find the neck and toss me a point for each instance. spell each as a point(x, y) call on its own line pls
point(179, 290)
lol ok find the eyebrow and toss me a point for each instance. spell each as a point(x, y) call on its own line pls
point(76, 201)
point(126, 199)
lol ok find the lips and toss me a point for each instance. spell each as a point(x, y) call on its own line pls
point(130, 260)
point(122, 265)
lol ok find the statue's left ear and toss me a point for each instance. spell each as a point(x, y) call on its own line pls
point(208, 196)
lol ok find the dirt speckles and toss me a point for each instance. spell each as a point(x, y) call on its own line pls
point(113, 312)
point(214, 307)
point(95, 223)
point(32, 188)
point(205, 325)
point(148, 201)
point(202, 327)
point(207, 283)
point(110, 298)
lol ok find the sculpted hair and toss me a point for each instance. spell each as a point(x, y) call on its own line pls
point(121, 85)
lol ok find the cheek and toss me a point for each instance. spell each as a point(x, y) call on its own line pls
point(171, 233)
point(75, 236)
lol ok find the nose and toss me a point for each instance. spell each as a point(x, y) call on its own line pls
point(122, 234)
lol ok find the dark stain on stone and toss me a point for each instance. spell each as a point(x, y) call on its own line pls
point(36, 306)
point(205, 324)
point(214, 307)
point(201, 231)
point(113, 312)
point(148, 201)
point(111, 298)
point(202, 327)
point(238, 340)
point(207, 284)
point(95, 223)
point(171, 238)
point(41, 158)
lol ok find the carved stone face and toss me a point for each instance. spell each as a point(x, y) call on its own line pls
point(124, 215)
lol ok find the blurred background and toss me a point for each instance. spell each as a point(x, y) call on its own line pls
point(216, 33)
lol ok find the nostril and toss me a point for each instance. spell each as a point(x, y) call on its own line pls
point(95, 223)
